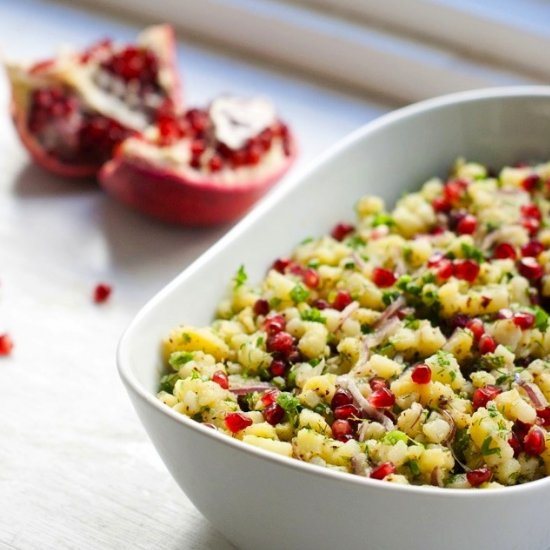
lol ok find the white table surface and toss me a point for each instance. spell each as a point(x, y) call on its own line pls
point(76, 468)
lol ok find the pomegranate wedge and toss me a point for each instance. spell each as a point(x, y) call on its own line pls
point(71, 111)
point(204, 167)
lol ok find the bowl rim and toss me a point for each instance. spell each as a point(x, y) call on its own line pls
point(133, 385)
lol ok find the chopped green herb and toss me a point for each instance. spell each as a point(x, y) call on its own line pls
point(240, 277)
point(314, 262)
point(299, 294)
point(349, 265)
point(291, 404)
point(486, 448)
point(313, 314)
point(307, 240)
point(490, 361)
point(413, 467)
point(179, 358)
point(168, 381)
point(391, 438)
point(382, 218)
point(366, 329)
point(355, 241)
point(275, 302)
point(472, 253)
point(259, 341)
point(407, 253)
point(389, 296)
point(541, 318)
point(314, 362)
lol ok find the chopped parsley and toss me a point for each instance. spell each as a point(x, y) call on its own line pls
point(291, 404)
point(471, 252)
point(299, 294)
point(389, 296)
point(541, 318)
point(179, 358)
point(486, 448)
point(313, 314)
point(382, 218)
point(240, 277)
point(356, 242)
point(391, 438)
point(168, 381)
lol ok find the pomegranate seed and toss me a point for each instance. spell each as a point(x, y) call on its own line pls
point(342, 430)
point(445, 269)
point(544, 417)
point(515, 443)
point(281, 264)
point(524, 320)
point(532, 225)
point(198, 120)
point(532, 249)
point(281, 342)
point(346, 411)
point(261, 307)
point(421, 374)
point(320, 304)
point(102, 292)
point(274, 324)
point(482, 396)
point(467, 225)
point(273, 414)
point(478, 477)
point(215, 163)
point(376, 383)
point(437, 230)
point(254, 153)
point(504, 251)
point(383, 278)
point(382, 398)
point(278, 367)
point(133, 63)
point(296, 269)
point(531, 211)
point(520, 429)
point(269, 397)
point(235, 422)
point(441, 204)
point(530, 183)
point(534, 443)
point(221, 379)
point(341, 398)
point(311, 278)
point(487, 344)
point(454, 191)
point(476, 327)
point(6, 344)
point(467, 270)
point(197, 147)
point(382, 471)
point(530, 268)
point(342, 300)
point(341, 231)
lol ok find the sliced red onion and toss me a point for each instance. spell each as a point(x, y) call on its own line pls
point(533, 392)
point(391, 310)
point(359, 261)
point(451, 421)
point(382, 331)
point(346, 313)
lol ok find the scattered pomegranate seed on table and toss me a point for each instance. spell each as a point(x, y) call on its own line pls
point(6, 344)
point(102, 293)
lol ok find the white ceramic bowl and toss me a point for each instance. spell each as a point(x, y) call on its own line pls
point(262, 500)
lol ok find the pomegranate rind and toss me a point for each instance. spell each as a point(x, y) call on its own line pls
point(178, 199)
point(24, 79)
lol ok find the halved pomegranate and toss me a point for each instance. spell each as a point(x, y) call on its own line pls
point(72, 111)
point(207, 166)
